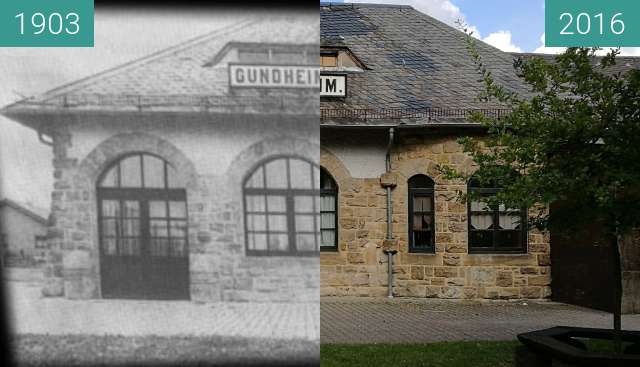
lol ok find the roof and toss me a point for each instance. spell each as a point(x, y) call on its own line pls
point(420, 68)
point(182, 77)
point(24, 210)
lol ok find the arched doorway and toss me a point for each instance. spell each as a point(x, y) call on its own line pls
point(144, 250)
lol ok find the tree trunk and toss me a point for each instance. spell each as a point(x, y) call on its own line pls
point(617, 295)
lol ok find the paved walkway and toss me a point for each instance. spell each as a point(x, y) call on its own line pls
point(368, 320)
point(29, 312)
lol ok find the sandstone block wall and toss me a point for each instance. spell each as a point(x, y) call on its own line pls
point(359, 267)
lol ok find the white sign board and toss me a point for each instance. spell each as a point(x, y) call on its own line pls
point(274, 76)
point(333, 85)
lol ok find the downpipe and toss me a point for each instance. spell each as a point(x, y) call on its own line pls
point(389, 217)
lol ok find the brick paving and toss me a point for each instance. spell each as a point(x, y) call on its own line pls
point(30, 313)
point(401, 320)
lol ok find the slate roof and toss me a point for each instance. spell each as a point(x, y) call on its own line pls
point(420, 68)
point(180, 77)
point(40, 218)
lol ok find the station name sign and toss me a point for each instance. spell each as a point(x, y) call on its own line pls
point(282, 76)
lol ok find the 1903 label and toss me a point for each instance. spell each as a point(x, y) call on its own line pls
point(46, 23)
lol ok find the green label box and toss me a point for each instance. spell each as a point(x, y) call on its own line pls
point(46, 23)
point(592, 23)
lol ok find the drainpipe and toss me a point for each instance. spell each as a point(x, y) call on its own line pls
point(389, 238)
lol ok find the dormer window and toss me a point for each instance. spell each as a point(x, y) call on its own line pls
point(278, 54)
point(329, 59)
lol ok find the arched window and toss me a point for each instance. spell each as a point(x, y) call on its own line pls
point(421, 214)
point(281, 208)
point(143, 230)
point(495, 229)
point(328, 211)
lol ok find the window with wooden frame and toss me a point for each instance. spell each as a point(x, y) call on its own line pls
point(421, 214)
point(281, 208)
point(328, 212)
point(329, 59)
point(495, 229)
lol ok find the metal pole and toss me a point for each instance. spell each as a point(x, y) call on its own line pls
point(389, 219)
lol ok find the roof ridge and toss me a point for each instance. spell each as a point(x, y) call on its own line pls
point(76, 84)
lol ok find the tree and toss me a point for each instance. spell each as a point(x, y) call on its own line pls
point(573, 138)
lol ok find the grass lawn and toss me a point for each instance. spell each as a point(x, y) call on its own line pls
point(449, 354)
point(91, 350)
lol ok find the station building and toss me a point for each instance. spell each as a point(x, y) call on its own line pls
point(192, 173)
point(403, 86)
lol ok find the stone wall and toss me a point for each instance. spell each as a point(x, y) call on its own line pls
point(219, 269)
point(630, 261)
point(359, 267)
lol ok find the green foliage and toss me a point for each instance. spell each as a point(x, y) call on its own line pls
point(573, 139)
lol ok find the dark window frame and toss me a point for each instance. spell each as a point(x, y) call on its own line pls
point(290, 194)
point(413, 192)
point(523, 248)
point(143, 195)
point(326, 192)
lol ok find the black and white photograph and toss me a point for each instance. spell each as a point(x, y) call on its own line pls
point(160, 191)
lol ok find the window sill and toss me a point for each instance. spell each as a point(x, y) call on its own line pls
point(333, 250)
point(422, 252)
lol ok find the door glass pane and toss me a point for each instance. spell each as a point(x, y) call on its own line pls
point(159, 247)
point(131, 227)
point(130, 171)
point(129, 247)
point(111, 227)
point(276, 172)
point(178, 209)
point(158, 228)
point(178, 229)
point(300, 172)
point(110, 208)
point(153, 172)
point(256, 222)
point(131, 209)
point(157, 209)
point(255, 203)
point(277, 203)
point(178, 247)
point(109, 246)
